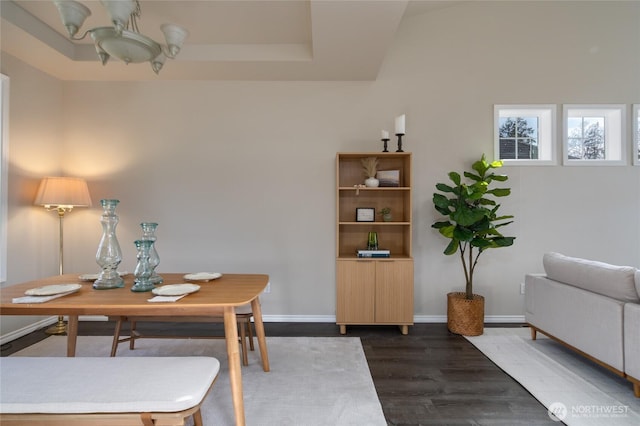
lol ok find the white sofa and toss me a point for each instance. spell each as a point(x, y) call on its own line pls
point(592, 307)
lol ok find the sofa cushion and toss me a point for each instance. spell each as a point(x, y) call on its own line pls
point(617, 282)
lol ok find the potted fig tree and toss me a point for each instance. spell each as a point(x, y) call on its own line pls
point(472, 226)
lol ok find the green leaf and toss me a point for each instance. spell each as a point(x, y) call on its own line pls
point(442, 224)
point(447, 231)
point(503, 241)
point(481, 166)
point(499, 225)
point(486, 202)
point(496, 164)
point(472, 176)
point(444, 188)
point(452, 248)
point(455, 177)
point(440, 201)
point(466, 216)
point(481, 243)
point(499, 192)
point(500, 178)
point(462, 234)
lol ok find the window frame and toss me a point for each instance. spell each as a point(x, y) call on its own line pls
point(636, 134)
point(4, 188)
point(615, 115)
point(547, 132)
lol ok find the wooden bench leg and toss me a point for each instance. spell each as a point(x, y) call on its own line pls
point(197, 418)
point(146, 419)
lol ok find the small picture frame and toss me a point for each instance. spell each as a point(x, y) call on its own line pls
point(389, 178)
point(365, 214)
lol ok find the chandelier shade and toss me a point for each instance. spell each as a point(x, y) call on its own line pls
point(73, 15)
point(124, 40)
point(120, 11)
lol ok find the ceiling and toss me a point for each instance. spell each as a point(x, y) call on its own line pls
point(229, 40)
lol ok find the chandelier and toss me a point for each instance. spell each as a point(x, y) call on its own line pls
point(123, 40)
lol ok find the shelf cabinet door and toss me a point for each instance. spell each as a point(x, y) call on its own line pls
point(394, 291)
point(355, 292)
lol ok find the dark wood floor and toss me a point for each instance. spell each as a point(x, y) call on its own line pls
point(429, 377)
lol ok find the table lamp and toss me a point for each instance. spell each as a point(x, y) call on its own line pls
point(62, 194)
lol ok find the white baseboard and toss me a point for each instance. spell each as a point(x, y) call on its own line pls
point(13, 335)
point(418, 319)
point(331, 318)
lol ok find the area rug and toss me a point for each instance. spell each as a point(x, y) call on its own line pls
point(575, 390)
point(313, 380)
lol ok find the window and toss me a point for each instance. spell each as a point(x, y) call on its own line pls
point(4, 142)
point(525, 134)
point(636, 134)
point(594, 135)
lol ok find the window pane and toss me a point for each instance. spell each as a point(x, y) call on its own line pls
point(528, 149)
point(527, 126)
point(525, 134)
point(574, 126)
point(574, 148)
point(507, 127)
point(507, 148)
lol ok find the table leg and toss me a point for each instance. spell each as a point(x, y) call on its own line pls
point(235, 375)
point(72, 335)
point(262, 341)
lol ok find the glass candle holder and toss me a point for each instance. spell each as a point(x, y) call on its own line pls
point(143, 269)
point(149, 233)
point(109, 254)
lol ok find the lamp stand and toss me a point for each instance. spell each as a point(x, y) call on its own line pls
point(60, 327)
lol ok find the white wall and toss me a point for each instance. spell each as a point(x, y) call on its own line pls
point(240, 175)
point(35, 127)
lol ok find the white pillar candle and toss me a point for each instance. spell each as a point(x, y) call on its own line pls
point(385, 134)
point(400, 124)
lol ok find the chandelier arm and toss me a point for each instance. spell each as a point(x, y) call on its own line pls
point(83, 35)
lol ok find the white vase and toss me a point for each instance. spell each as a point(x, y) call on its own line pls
point(371, 182)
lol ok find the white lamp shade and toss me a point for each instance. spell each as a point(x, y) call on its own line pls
point(175, 36)
point(73, 14)
point(63, 191)
point(120, 11)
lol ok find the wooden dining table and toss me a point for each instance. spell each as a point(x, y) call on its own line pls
point(219, 297)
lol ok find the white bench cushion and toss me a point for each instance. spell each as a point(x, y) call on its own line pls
point(104, 385)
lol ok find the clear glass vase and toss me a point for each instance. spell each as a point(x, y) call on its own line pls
point(109, 254)
point(372, 241)
point(149, 233)
point(143, 270)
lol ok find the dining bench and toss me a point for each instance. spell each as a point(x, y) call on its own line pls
point(86, 391)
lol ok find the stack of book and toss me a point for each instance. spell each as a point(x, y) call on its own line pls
point(374, 253)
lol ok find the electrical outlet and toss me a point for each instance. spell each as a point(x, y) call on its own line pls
point(521, 288)
point(267, 289)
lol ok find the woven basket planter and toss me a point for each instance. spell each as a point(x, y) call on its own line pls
point(465, 316)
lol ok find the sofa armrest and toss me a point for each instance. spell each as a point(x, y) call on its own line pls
point(632, 340)
point(587, 321)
